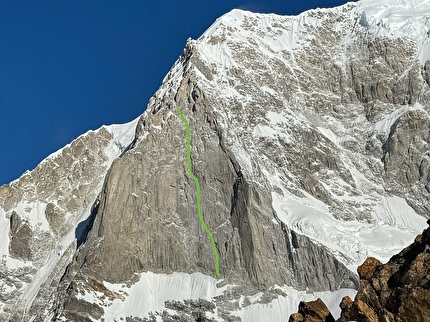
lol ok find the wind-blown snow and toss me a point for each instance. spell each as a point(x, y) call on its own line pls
point(123, 135)
point(399, 18)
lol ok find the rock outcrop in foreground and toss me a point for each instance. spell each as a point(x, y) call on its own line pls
point(398, 291)
point(313, 311)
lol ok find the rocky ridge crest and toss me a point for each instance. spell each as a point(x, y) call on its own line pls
point(44, 216)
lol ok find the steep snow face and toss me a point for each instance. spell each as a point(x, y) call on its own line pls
point(399, 18)
point(304, 118)
point(43, 213)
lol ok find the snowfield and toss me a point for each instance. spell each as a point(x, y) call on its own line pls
point(147, 298)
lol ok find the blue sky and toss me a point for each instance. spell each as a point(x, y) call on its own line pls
point(68, 66)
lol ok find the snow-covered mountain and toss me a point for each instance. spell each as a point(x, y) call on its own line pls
point(310, 138)
point(44, 217)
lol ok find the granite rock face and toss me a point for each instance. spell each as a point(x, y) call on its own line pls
point(148, 193)
point(21, 236)
point(309, 136)
point(407, 157)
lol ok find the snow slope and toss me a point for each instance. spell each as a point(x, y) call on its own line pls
point(148, 295)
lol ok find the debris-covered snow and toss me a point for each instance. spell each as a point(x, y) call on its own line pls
point(152, 290)
point(149, 294)
point(282, 307)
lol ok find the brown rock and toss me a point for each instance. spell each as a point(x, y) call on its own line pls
point(296, 317)
point(357, 311)
point(414, 305)
point(315, 311)
point(365, 312)
point(366, 270)
point(346, 302)
point(368, 294)
point(396, 291)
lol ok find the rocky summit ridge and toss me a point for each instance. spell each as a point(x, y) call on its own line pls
point(310, 138)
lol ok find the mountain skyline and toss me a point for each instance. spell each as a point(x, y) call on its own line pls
point(299, 143)
point(72, 67)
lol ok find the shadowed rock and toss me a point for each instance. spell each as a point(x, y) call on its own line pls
point(314, 311)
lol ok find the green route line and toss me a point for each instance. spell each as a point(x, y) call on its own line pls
point(196, 180)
